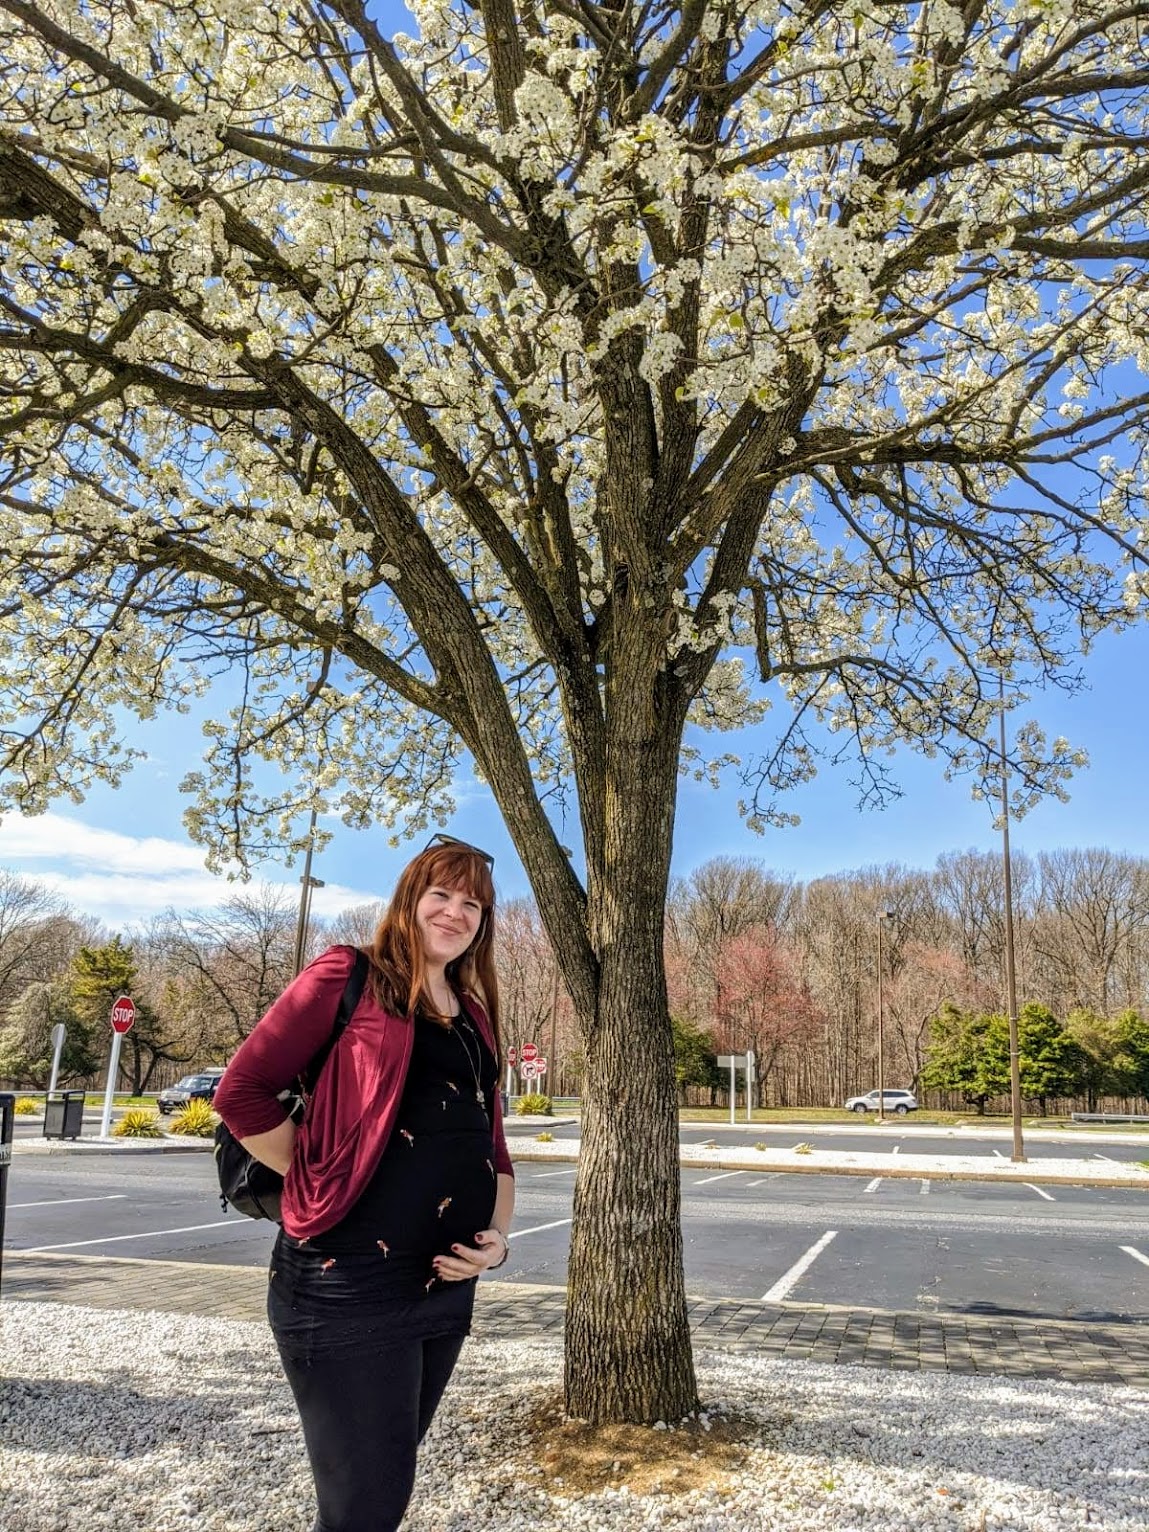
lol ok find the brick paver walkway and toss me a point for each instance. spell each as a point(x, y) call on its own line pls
point(1077, 1351)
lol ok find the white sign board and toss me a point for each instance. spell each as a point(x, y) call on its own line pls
point(735, 1062)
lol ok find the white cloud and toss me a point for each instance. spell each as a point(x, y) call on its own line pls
point(56, 837)
point(123, 878)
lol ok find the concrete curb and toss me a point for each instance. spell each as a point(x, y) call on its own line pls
point(95, 1146)
point(1029, 1174)
point(888, 1167)
point(785, 1162)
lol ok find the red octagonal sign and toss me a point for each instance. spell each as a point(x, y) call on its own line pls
point(123, 1014)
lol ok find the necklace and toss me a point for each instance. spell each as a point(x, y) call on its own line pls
point(462, 1029)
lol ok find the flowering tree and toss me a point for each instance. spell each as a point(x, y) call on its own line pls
point(543, 383)
point(763, 1002)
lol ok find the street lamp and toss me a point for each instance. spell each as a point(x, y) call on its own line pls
point(882, 915)
point(1018, 1155)
point(309, 883)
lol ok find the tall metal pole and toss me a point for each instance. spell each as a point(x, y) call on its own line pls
point(882, 915)
point(304, 900)
point(1018, 1155)
point(552, 1062)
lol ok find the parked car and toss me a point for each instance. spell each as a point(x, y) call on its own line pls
point(899, 1101)
point(201, 1087)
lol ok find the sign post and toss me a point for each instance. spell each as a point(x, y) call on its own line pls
point(59, 1033)
point(734, 1062)
point(512, 1060)
point(123, 1015)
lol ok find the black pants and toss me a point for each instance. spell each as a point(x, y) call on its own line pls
point(363, 1418)
point(368, 1366)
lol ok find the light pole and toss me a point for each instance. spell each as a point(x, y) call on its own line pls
point(305, 899)
point(552, 1062)
point(1018, 1155)
point(882, 915)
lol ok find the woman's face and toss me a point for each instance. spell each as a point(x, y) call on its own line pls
point(447, 920)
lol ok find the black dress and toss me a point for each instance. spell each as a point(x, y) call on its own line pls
point(434, 1187)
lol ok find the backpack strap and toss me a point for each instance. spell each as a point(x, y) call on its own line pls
point(352, 993)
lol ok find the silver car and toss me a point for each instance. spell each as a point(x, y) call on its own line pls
point(899, 1101)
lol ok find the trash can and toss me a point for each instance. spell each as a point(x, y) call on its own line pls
point(64, 1114)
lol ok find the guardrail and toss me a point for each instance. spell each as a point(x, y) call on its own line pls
point(1114, 1117)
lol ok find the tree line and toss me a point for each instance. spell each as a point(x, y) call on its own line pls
point(754, 959)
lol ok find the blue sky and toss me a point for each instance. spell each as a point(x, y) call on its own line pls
point(123, 854)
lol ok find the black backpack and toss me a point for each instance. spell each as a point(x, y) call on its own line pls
point(245, 1183)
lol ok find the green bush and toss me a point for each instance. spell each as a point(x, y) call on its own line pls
point(197, 1120)
point(138, 1124)
point(534, 1105)
point(545, 1138)
point(27, 1106)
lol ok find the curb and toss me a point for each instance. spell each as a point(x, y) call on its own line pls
point(1029, 1174)
point(95, 1146)
point(888, 1167)
point(1026, 1174)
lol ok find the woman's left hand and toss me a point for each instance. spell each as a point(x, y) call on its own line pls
point(467, 1261)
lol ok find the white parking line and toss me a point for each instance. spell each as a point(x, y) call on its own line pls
point(725, 1176)
point(1108, 1158)
point(925, 1187)
point(999, 1154)
point(788, 1279)
point(538, 1228)
point(114, 1239)
point(773, 1176)
point(873, 1186)
point(896, 1149)
point(1041, 1192)
point(1136, 1254)
point(542, 1175)
point(58, 1202)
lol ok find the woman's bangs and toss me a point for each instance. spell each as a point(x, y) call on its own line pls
point(456, 867)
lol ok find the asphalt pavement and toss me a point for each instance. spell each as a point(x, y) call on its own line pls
point(951, 1250)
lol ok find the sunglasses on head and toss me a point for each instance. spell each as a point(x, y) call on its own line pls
point(451, 840)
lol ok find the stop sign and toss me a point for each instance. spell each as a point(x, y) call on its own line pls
point(123, 1014)
point(530, 1052)
point(512, 1057)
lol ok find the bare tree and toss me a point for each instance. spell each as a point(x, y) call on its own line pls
point(1094, 906)
point(232, 962)
point(356, 925)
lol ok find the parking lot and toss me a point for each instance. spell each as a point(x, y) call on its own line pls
point(886, 1243)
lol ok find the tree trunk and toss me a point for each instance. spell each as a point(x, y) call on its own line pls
point(628, 1355)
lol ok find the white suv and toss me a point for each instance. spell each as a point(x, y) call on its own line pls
point(899, 1101)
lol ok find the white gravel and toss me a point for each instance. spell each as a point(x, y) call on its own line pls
point(163, 1423)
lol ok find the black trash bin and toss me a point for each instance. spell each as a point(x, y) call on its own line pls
point(64, 1114)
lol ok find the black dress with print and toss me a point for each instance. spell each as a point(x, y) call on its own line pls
point(434, 1187)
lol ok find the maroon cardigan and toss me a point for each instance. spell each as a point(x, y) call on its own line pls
point(352, 1113)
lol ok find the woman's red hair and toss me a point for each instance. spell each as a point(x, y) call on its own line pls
point(399, 975)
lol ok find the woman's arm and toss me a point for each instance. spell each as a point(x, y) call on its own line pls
point(274, 1147)
point(277, 1051)
point(504, 1205)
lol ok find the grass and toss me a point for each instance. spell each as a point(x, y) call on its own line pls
point(119, 1098)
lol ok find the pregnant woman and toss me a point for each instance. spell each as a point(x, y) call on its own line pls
point(398, 1187)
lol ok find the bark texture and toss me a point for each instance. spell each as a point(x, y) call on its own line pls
point(628, 1353)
